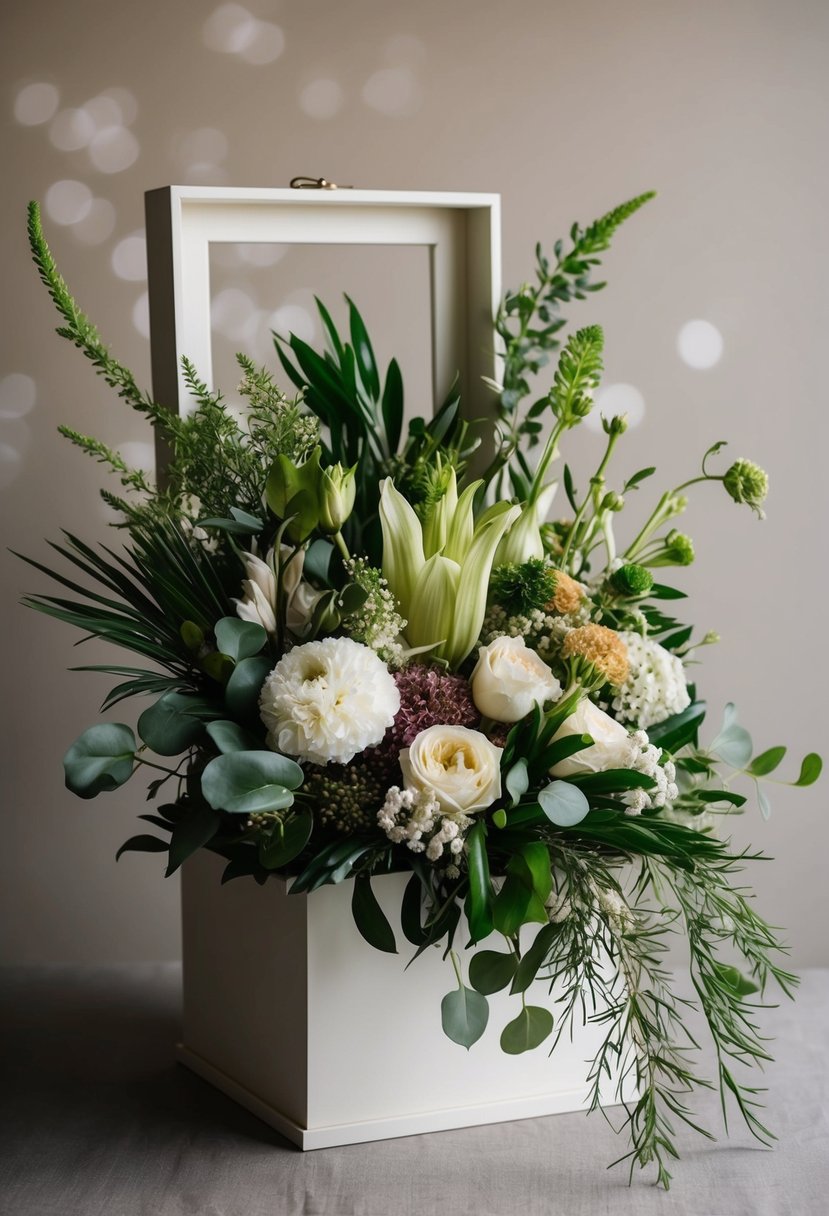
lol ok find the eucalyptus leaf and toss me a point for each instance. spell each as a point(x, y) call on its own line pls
point(246, 783)
point(491, 970)
point(464, 1014)
point(245, 684)
point(173, 724)
point(810, 770)
point(239, 639)
point(230, 737)
point(763, 802)
point(766, 762)
point(532, 1026)
point(563, 803)
point(100, 759)
point(517, 780)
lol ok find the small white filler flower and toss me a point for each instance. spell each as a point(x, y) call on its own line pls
point(328, 700)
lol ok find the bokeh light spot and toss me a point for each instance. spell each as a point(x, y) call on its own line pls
point(138, 453)
point(98, 224)
point(113, 149)
point(36, 103)
point(292, 318)
point(10, 464)
point(392, 91)
point(700, 344)
point(72, 130)
point(129, 257)
point(615, 399)
point(266, 46)
point(234, 314)
point(18, 394)
point(229, 29)
point(261, 253)
point(321, 99)
point(141, 315)
point(68, 201)
point(126, 103)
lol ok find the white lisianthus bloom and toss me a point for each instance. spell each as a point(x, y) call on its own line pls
point(509, 679)
point(611, 747)
point(328, 700)
point(460, 766)
point(655, 687)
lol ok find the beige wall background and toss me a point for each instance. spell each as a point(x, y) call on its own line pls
point(566, 109)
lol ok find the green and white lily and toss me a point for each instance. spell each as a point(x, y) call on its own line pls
point(439, 573)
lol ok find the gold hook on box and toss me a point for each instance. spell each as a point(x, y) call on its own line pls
point(315, 183)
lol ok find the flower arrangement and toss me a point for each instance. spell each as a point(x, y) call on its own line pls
point(365, 657)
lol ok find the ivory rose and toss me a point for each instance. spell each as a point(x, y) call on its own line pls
point(509, 679)
point(611, 747)
point(460, 766)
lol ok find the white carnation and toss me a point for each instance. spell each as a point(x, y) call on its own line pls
point(655, 687)
point(328, 700)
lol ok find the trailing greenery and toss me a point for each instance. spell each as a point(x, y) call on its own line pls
point(358, 663)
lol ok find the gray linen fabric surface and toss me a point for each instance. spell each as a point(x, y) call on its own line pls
point(96, 1119)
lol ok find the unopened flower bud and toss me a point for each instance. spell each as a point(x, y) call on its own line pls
point(747, 482)
point(612, 501)
point(617, 425)
point(679, 548)
point(338, 491)
point(631, 580)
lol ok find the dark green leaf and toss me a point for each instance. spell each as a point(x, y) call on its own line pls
point(142, 844)
point(190, 833)
point(464, 1015)
point(532, 1026)
point(286, 839)
point(370, 918)
point(491, 970)
point(100, 760)
point(479, 898)
point(535, 957)
point(363, 352)
point(410, 912)
point(393, 405)
point(674, 732)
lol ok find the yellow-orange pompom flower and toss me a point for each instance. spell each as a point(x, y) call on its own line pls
point(602, 648)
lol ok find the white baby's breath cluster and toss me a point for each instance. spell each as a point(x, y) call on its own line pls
point(413, 817)
point(377, 623)
point(655, 688)
point(543, 631)
point(645, 758)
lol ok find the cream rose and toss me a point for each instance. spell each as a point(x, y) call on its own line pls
point(459, 765)
point(509, 679)
point(611, 747)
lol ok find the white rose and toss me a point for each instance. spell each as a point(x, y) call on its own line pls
point(459, 765)
point(611, 746)
point(509, 679)
point(328, 700)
